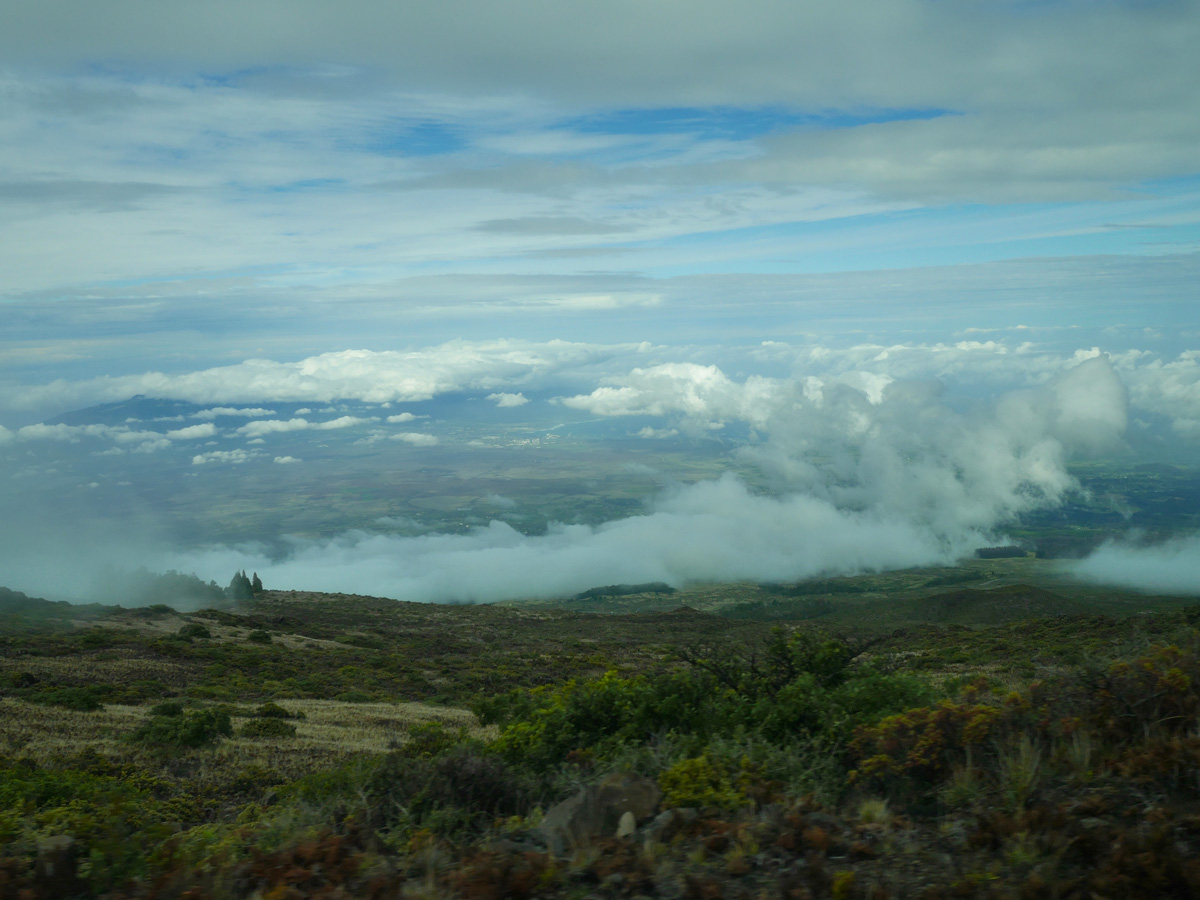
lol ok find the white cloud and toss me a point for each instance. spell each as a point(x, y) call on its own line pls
point(220, 411)
point(286, 460)
point(416, 438)
point(275, 426)
point(369, 376)
point(192, 432)
point(507, 401)
point(712, 531)
point(222, 456)
point(402, 417)
point(1170, 567)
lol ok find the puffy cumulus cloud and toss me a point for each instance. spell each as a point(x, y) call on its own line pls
point(699, 395)
point(1170, 388)
point(272, 426)
point(192, 432)
point(715, 531)
point(400, 418)
point(275, 426)
point(286, 460)
point(416, 438)
point(867, 442)
point(146, 441)
point(507, 401)
point(223, 456)
point(1171, 567)
point(369, 376)
point(1084, 408)
point(221, 411)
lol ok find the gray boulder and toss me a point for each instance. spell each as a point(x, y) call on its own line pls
point(598, 810)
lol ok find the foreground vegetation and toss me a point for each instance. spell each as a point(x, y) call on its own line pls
point(319, 746)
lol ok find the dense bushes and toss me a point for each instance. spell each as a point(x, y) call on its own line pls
point(1133, 719)
point(186, 728)
point(797, 688)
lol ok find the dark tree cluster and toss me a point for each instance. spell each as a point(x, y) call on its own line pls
point(243, 588)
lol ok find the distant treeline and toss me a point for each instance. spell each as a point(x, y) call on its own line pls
point(1009, 552)
point(143, 588)
point(624, 590)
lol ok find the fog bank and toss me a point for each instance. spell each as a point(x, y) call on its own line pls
point(1172, 567)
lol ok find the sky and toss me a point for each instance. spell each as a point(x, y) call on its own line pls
point(688, 212)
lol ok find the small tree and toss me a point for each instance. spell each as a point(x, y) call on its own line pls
point(239, 587)
point(256, 585)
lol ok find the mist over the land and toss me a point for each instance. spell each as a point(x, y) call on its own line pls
point(857, 461)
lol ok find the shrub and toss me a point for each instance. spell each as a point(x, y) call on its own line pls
point(701, 782)
point(81, 699)
point(193, 728)
point(193, 630)
point(462, 790)
point(258, 636)
point(167, 708)
point(271, 710)
point(430, 739)
point(921, 744)
point(267, 728)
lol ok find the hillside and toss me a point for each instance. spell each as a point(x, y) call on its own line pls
point(990, 738)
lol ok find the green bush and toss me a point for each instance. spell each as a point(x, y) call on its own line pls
point(462, 791)
point(701, 782)
point(271, 710)
point(259, 636)
point(82, 699)
point(798, 689)
point(193, 728)
point(267, 728)
point(194, 630)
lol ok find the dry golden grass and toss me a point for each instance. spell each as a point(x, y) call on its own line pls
point(115, 665)
point(331, 733)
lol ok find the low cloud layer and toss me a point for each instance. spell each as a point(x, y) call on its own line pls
point(866, 457)
point(714, 531)
point(1171, 567)
point(866, 478)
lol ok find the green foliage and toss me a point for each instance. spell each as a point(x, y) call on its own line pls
point(267, 728)
point(258, 636)
point(194, 630)
point(703, 782)
point(271, 710)
point(82, 699)
point(192, 728)
point(460, 790)
point(240, 588)
point(430, 739)
point(167, 708)
point(801, 687)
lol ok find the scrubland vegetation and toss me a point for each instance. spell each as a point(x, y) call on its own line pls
point(298, 745)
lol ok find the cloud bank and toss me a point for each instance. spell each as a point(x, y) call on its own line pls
point(1172, 567)
point(865, 479)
